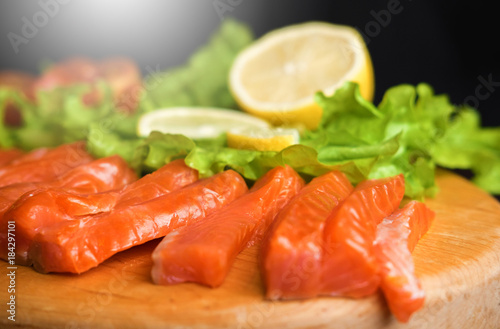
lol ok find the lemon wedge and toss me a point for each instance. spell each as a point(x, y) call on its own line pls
point(277, 76)
point(196, 122)
point(262, 139)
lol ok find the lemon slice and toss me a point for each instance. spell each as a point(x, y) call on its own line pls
point(277, 76)
point(262, 139)
point(196, 122)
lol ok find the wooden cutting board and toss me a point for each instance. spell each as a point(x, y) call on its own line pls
point(458, 262)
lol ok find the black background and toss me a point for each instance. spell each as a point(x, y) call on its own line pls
point(450, 44)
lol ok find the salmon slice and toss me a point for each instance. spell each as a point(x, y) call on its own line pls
point(80, 244)
point(109, 173)
point(30, 201)
point(44, 165)
point(349, 265)
point(204, 251)
point(396, 237)
point(46, 207)
point(39, 153)
point(93, 177)
point(170, 177)
point(7, 156)
point(291, 251)
point(31, 156)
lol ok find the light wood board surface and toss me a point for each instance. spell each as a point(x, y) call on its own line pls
point(458, 262)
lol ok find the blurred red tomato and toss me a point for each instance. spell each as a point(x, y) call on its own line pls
point(18, 81)
point(121, 74)
point(125, 81)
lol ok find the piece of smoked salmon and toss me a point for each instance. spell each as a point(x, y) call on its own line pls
point(396, 237)
point(44, 165)
point(39, 153)
point(205, 251)
point(7, 156)
point(32, 201)
point(96, 176)
point(291, 250)
point(31, 156)
point(80, 244)
point(170, 177)
point(46, 207)
point(349, 265)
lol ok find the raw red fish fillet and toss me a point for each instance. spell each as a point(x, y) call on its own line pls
point(43, 165)
point(291, 251)
point(396, 237)
point(170, 177)
point(80, 244)
point(7, 156)
point(93, 177)
point(204, 251)
point(43, 208)
point(349, 265)
point(31, 156)
point(33, 201)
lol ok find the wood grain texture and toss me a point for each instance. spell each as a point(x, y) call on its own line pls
point(458, 262)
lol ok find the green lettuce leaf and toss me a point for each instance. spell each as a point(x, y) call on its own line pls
point(6, 138)
point(159, 149)
point(467, 145)
point(431, 132)
point(253, 164)
point(411, 131)
point(421, 118)
point(202, 81)
point(60, 116)
point(143, 154)
point(400, 131)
